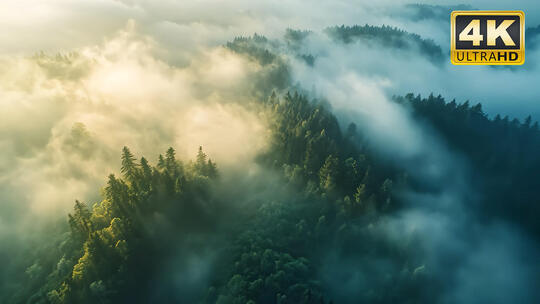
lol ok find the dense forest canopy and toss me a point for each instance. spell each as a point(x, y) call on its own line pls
point(115, 244)
point(275, 251)
point(388, 36)
point(305, 182)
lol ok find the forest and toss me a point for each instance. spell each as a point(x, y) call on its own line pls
point(321, 216)
point(388, 36)
point(275, 250)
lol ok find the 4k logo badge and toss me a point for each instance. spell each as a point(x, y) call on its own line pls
point(488, 37)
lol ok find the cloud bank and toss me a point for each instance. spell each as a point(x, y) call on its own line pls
point(65, 117)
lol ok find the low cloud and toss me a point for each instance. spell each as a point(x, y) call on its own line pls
point(67, 116)
point(466, 258)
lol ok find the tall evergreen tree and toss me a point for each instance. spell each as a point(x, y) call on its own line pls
point(170, 160)
point(129, 165)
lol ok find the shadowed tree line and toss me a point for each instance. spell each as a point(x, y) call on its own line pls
point(503, 152)
point(389, 37)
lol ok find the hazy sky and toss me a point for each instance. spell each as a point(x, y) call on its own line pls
point(183, 27)
point(55, 25)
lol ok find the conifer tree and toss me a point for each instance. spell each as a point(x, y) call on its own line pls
point(200, 162)
point(146, 170)
point(129, 167)
point(79, 221)
point(329, 173)
point(211, 169)
point(161, 162)
point(170, 160)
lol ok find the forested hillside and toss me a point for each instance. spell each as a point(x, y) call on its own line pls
point(503, 151)
point(278, 250)
point(268, 254)
point(320, 217)
point(387, 36)
point(116, 244)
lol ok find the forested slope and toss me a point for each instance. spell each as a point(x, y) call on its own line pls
point(387, 36)
point(274, 253)
point(278, 251)
point(180, 232)
point(503, 151)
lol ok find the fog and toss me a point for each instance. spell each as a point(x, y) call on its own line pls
point(461, 251)
point(63, 127)
point(150, 75)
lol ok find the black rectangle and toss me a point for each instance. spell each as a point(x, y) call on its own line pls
point(513, 30)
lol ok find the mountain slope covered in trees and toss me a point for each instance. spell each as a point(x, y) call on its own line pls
point(270, 254)
point(277, 251)
point(309, 228)
point(387, 36)
point(503, 151)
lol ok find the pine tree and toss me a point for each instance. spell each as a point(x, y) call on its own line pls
point(201, 156)
point(116, 192)
point(329, 173)
point(211, 169)
point(161, 162)
point(79, 221)
point(170, 160)
point(200, 162)
point(360, 194)
point(527, 123)
point(146, 170)
point(129, 167)
point(146, 179)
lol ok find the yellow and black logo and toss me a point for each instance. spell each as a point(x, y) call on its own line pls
point(488, 37)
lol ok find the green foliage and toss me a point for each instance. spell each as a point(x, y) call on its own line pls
point(328, 174)
point(332, 192)
point(275, 74)
point(255, 47)
point(295, 36)
point(109, 249)
point(503, 152)
point(129, 167)
point(309, 146)
point(205, 165)
point(278, 255)
point(293, 245)
point(389, 37)
point(272, 254)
